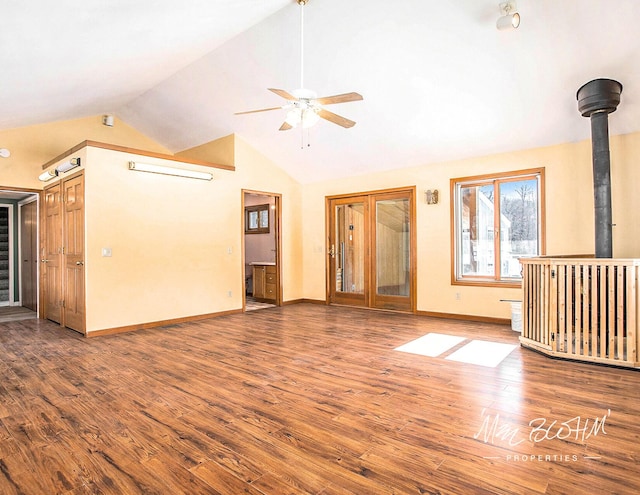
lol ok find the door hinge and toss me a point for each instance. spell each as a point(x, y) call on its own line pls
point(62, 304)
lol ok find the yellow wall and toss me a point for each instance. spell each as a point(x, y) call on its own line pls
point(221, 151)
point(176, 243)
point(31, 147)
point(569, 206)
point(170, 237)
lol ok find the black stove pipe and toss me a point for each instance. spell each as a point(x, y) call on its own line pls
point(596, 100)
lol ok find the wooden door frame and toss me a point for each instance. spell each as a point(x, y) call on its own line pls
point(278, 231)
point(411, 190)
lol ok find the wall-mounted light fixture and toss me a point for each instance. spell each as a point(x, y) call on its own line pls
point(107, 120)
point(63, 168)
point(178, 172)
point(68, 165)
point(4, 153)
point(431, 196)
point(48, 175)
point(509, 18)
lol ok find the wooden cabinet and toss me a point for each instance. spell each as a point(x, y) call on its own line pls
point(264, 282)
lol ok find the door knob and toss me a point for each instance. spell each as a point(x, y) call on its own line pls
point(44, 261)
point(79, 263)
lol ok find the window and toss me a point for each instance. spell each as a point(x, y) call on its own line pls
point(256, 219)
point(496, 220)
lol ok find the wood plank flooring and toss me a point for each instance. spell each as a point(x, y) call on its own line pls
point(14, 313)
point(305, 399)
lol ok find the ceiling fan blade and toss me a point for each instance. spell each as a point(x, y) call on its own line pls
point(284, 94)
point(344, 98)
point(261, 110)
point(285, 127)
point(336, 119)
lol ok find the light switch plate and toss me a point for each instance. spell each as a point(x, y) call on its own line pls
point(106, 252)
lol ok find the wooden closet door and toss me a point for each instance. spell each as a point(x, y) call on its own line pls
point(73, 254)
point(52, 252)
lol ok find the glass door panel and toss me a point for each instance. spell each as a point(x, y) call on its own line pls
point(348, 254)
point(392, 252)
point(392, 247)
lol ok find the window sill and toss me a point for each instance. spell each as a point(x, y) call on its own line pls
point(489, 283)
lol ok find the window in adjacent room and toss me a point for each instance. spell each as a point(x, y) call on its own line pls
point(496, 220)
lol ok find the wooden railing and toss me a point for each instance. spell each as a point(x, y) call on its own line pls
point(582, 308)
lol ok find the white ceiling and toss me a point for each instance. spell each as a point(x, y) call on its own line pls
point(439, 81)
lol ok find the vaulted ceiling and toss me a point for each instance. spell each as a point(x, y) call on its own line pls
point(439, 81)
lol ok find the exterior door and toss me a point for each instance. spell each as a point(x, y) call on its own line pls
point(371, 249)
point(73, 254)
point(391, 252)
point(29, 255)
point(349, 278)
point(52, 254)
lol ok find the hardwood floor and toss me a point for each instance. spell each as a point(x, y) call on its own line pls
point(14, 313)
point(305, 399)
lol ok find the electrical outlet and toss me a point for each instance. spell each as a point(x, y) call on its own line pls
point(457, 296)
point(229, 250)
point(230, 294)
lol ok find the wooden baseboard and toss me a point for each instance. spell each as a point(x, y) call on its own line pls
point(162, 323)
point(453, 316)
point(308, 301)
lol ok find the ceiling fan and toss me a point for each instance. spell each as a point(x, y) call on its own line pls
point(303, 105)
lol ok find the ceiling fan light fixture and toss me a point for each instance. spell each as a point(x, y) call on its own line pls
point(307, 117)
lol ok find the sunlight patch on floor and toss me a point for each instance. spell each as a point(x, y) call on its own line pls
point(479, 352)
point(482, 353)
point(432, 344)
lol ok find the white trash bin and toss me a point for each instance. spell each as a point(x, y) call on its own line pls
point(516, 316)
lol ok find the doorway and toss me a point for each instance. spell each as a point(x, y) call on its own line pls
point(17, 243)
point(261, 250)
point(6, 256)
point(371, 253)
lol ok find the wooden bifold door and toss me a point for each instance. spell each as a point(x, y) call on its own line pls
point(63, 253)
point(371, 260)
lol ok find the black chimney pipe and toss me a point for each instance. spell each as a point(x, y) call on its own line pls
point(596, 100)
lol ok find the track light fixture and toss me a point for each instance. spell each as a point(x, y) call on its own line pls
point(509, 19)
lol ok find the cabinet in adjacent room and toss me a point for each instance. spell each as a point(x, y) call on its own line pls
point(264, 281)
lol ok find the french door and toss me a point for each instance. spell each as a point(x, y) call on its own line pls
point(371, 260)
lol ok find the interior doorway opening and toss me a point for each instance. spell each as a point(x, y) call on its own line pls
point(261, 250)
point(19, 260)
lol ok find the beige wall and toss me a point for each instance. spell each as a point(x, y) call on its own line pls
point(170, 237)
point(31, 147)
point(176, 243)
point(569, 206)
